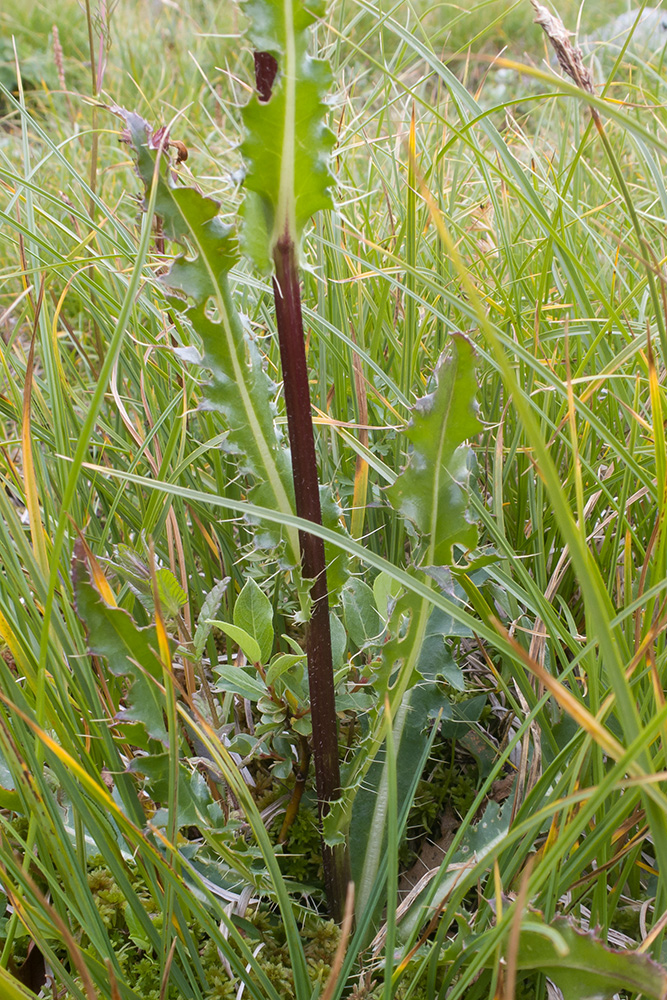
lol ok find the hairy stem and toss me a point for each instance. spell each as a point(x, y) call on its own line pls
point(289, 319)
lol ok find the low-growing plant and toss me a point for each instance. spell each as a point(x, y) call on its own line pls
point(361, 532)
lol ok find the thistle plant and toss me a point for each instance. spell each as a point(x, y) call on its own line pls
point(286, 150)
point(499, 603)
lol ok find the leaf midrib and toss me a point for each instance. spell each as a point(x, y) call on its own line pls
point(285, 223)
point(438, 466)
point(400, 711)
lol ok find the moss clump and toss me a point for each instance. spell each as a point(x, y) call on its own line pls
point(142, 972)
point(109, 899)
point(303, 861)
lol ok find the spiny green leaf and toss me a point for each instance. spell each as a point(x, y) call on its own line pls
point(477, 842)
point(239, 388)
point(130, 651)
point(431, 491)
point(385, 590)
point(413, 701)
point(155, 768)
point(338, 640)
point(287, 146)
point(253, 612)
point(434, 659)
point(368, 831)
point(582, 966)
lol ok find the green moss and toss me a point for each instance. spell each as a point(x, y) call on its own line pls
point(143, 973)
point(303, 861)
point(109, 899)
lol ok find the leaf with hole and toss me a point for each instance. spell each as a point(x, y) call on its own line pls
point(287, 146)
point(360, 614)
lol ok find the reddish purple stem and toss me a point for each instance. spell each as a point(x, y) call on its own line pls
point(306, 489)
point(289, 320)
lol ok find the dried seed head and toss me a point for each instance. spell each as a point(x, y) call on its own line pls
point(58, 57)
point(569, 56)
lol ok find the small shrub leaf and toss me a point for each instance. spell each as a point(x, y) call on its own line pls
point(246, 642)
point(238, 681)
point(254, 614)
point(280, 664)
